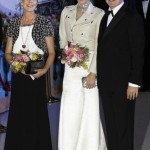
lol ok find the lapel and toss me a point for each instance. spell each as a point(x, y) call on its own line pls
point(140, 8)
point(115, 21)
point(83, 19)
point(72, 15)
point(148, 11)
point(86, 16)
point(102, 26)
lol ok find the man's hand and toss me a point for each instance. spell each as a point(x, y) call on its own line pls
point(132, 92)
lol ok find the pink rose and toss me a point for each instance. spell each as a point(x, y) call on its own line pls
point(25, 58)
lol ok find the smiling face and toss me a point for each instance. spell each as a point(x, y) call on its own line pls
point(29, 5)
point(82, 2)
point(113, 3)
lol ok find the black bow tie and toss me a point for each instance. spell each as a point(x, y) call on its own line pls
point(110, 12)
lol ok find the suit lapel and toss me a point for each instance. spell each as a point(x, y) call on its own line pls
point(103, 25)
point(148, 11)
point(115, 21)
point(139, 7)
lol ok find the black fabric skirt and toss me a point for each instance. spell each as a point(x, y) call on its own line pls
point(28, 122)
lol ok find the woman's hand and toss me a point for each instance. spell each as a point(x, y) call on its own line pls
point(91, 80)
point(51, 55)
point(39, 73)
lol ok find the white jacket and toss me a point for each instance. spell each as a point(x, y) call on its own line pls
point(84, 31)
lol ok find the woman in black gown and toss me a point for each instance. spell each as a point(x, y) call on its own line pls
point(28, 123)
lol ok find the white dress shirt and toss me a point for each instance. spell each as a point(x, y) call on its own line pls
point(115, 10)
point(145, 6)
point(110, 17)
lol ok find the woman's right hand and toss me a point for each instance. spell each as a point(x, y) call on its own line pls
point(91, 80)
point(39, 73)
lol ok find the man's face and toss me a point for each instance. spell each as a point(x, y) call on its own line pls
point(113, 3)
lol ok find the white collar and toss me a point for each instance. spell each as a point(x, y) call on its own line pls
point(116, 9)
point(145, 1)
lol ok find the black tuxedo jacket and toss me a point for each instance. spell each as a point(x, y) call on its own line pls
point(147, 33)
point(120, 51)
point(1, 35)
point(137, 5)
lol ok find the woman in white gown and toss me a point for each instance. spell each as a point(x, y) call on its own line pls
point(80, 126)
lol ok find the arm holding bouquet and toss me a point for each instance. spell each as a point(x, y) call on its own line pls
point(8, 51)
point(62, 31)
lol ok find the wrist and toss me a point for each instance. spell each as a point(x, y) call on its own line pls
point(92, 74)
point(10, 62)
point(45, 70)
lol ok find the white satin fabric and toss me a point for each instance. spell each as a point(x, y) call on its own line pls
point(80, 126)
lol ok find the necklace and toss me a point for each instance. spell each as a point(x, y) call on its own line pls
point(83, 8)
point(24, 42)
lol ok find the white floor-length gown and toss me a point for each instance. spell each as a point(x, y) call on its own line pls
point(80, 126)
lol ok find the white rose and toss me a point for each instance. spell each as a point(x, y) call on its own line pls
point(74, 59)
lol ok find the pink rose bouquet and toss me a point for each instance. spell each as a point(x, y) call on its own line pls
point(75, 56)
point(20, 60)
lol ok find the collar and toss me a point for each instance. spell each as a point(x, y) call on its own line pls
point(116, 9)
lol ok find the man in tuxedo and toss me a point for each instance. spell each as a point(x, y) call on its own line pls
point(119, 71)
point(145, 5)
point(143, 8)
point(140, 5)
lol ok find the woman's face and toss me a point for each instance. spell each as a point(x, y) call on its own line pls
point(29, 5)
point(82, 2)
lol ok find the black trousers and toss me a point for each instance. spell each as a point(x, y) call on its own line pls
point(119, 119)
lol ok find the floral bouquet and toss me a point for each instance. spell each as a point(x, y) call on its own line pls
point(75, 56)
point(21, 59)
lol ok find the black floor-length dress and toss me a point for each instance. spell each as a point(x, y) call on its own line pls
point(28, 123)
